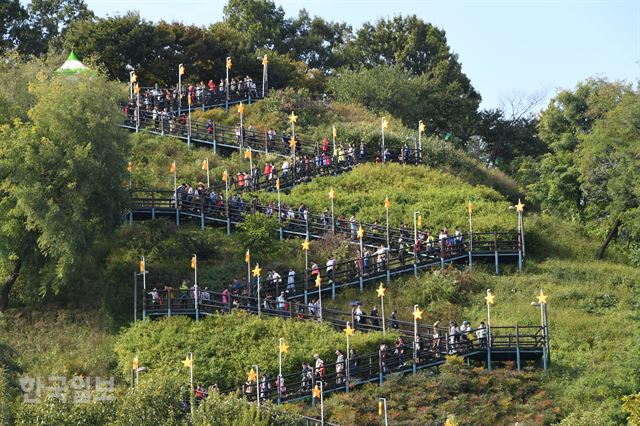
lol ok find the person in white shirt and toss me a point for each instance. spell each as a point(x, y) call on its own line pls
point(291, 281)
point(281, 301)
point(285, 168)
point(330, 270)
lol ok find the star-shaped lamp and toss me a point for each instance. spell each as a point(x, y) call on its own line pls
point(241, 108)
point(225, 176)
point(188, 362)
point(417, 313)
point(385, 123)
point(360, 232)
point(318, 281)
point(305, 245)
point(349, 331)
point(387, 203)
point(265, 60)
point(316, 392)
point(332, 194)
point(247, 153)
point(519, 206)
point(251, 377)
point(542, 298)
point(421, 127)
point(284, 348)
point(256, 271)
point(469, 207)
point(490, 298)
point(293, 118)
point(380, 290)
point(419, 221)
point(292, 142)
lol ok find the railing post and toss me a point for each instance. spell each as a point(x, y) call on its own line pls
point(333, 290)
point(201, 213)
point(495, 246)
point(153, 206)
point(519, 253)
point(380, 367)
point(215, 138)
point(388, 265)
point(518, 364)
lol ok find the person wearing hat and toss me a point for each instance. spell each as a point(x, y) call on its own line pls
point(465, 328)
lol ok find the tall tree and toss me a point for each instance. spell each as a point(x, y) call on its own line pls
point(556, 186)
point(316, 42)
point(610, 168)
point(260, 20)
point(12, 22)
point(61, 176)
point(48, 21)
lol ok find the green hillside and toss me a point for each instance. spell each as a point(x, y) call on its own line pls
point(70, 253)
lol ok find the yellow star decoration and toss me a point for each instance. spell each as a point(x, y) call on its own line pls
point(335, 132)
point(135, 363)
point(229, 63)
point(318, 281)
point(284, 348)
point(332, 194)
point(225, 176)
point(305, 245)
point(247, 153)
point(519, 206)
point(265, 60)
point(421, 127)
point(469, 207)
point(316, 392)
point(385, 123)
point(381, 290)
point(542, 298)
point(278, 184)
point(129, 166)
point(241, 108)
point(420, 221)
point(252, 376)
point(349, 331)
point(417, 313)
point(360, 232)
point(387, 203)
point(293, 118)
point(293, 142)
point(247, 257)
point(187, 362)
point(490, 298)
point(256, 271)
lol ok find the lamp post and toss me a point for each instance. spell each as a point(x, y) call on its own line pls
point(361, 238)
point(332, 195)
point(490, 299)
point(381, 290)
point(544, 322)
point(318, 392)
point(382, 409)
point(265, 65)
point(282, 348)
point(226, 84)
point(305, 248)
point(417, 314)
point(383, 125)
point(180, 74)
point(470, 211)
point(417, 222)
point(421, 129)
point(349, 331)
point(256, 273)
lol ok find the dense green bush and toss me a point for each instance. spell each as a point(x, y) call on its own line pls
point(226, 346)
point(472, 395)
